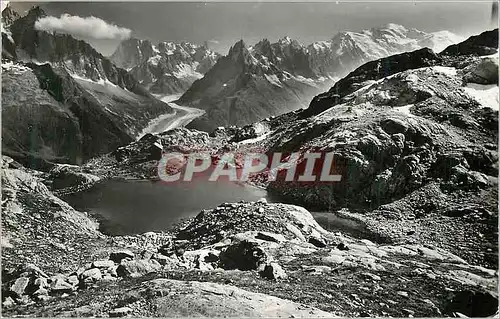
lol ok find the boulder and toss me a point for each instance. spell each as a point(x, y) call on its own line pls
point(394, 126)
point(317, 269)
point(137, 268)
point(19, 286)
point(165, 260)
point(33, 270)
point(269, 237)
point(119, 312)
point(243, 255)
point(118, 256)
point(90, 276)
point(203, 259)
point(147, 254)
point(485, 71)
point(73, 280)
point(41, 282)
point(59, 284)
point(63, 176)
point(112, 271)
point(317, 241)
point(273, 271)
point(103, 264)
point(8, 303)
point(167, 249)
point(40, 293)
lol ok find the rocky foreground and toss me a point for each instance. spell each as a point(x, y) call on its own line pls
point(239, 259)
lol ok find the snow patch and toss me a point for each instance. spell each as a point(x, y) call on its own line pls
point(14, 67)
point(445, 70)
point(405, 109)
point(273, 79)
point(102, 82)
point(486, 95)
point(154, 60)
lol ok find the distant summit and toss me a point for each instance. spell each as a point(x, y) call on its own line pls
point(165, 68)
point(268, 79)
point(348, 50)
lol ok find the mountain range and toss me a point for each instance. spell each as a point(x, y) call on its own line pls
point(62, 100)
point(97, 99)
point(269, 79)
point(166, 68)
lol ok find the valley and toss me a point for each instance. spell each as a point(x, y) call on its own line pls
point(89, 229)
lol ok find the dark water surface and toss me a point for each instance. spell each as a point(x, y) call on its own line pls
point(138, 206)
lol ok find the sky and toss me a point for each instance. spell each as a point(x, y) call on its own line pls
point(222, 24)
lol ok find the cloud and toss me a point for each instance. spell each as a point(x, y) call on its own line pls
point(5, 4)
point(87, 27)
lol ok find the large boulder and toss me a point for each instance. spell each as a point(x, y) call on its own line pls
point(243, 255)
point(64, 176)
point(137, 268)
point(204, 299)
point(484, 71)
point(273, 271)
point(119, 255)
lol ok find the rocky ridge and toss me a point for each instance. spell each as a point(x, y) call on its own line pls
point(167, 68)
point(85, 96)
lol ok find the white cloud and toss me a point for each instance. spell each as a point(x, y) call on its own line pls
point(88, 27)
point(5, 4)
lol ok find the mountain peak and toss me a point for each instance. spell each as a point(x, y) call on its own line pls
point(9, 15)
point(36, 11)
point(237, 48)
point(285, 40)
point(393, 26)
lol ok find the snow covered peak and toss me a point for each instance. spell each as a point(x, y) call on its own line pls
point(131, 52)
point(438, 41)
point(348, 50)
point(285, 40)
point(165, 68)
